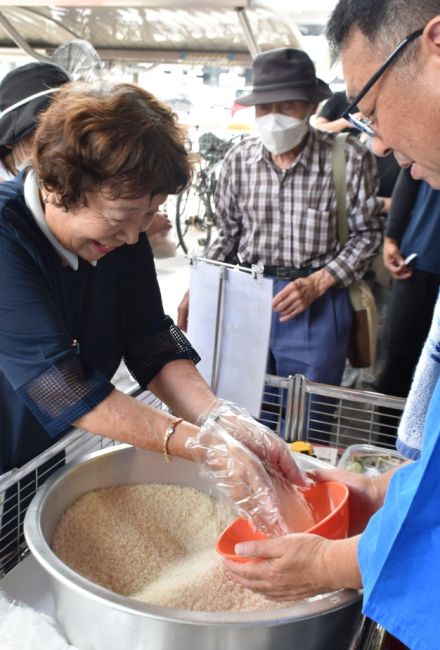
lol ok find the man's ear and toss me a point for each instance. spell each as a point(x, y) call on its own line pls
point(431, 34)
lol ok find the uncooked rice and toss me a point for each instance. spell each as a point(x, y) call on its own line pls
point(154, 543)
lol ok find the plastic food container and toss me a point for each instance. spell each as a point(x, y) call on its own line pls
point(370, 460)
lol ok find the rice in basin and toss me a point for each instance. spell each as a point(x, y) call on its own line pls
point(154, 543)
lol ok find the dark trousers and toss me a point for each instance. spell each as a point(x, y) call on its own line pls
point(391, 643)
point(410, 309)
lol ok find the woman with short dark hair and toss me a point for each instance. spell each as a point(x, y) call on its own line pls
point(78, 292)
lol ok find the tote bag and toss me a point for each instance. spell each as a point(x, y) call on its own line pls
point(363, 335)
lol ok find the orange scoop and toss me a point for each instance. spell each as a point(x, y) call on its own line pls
point(329, 503)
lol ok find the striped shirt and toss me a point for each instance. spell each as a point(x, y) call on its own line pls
point(289, 217)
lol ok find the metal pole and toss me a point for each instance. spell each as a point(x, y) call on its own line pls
point(218, 329)
point(291, 408)
point(300, 399)
point(19, 40)
point(251, 42)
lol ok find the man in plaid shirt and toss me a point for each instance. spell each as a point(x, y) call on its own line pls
point(276, 204)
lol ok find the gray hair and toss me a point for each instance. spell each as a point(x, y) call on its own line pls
point(384, 23)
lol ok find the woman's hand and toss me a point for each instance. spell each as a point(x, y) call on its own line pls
point(240, 476)
point(254, 468)
point(259, 439)
point(297, 566)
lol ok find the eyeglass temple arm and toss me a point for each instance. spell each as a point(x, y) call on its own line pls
point(381, 70)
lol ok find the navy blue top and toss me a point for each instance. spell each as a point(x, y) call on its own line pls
point(113, 309)
point(422, 235)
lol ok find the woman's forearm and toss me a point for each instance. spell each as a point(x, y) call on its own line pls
point(121, 417)
point(126, 419)
point(181, 387)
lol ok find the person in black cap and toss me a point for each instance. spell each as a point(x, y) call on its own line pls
point(25, 92)
point(276, 204)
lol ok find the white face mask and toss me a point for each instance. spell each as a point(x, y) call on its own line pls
point(280, 133)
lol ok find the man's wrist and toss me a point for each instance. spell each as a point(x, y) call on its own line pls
point(390, 240)
point(323, 281)
point(339, 563)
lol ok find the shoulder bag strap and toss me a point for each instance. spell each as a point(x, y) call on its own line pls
point(340, 183)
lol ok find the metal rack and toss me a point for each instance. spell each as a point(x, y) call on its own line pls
point(300, 409)
point(18, 486)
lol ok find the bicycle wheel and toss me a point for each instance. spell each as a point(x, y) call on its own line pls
point(194, 221)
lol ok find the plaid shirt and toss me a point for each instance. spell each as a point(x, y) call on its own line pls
point(289, 217)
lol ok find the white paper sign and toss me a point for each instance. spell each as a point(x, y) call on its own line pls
point(243, 329)
point(203, 290)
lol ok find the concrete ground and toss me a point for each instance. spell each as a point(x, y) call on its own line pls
point(173, 275)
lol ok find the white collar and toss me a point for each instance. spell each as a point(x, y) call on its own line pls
point(32, 200)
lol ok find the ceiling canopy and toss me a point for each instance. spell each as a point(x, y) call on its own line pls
point(220, 32)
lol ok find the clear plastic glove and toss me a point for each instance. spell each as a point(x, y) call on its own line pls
point(272, 503)
point(263, 442)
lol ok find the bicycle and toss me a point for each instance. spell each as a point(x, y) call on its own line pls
point(195, 211)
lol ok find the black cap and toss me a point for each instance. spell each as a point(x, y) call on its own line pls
point(24, 93)
point(283, 75)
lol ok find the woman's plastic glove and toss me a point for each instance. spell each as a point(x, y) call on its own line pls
point(274, 505)
point(263, 442)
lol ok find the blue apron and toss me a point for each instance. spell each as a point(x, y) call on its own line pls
point(399, 552)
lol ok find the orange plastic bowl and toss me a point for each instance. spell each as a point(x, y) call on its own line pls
point(329, 503)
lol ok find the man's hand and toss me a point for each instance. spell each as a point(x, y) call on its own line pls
point(394, 261)
point(182, 313)
point(297, 566)
point(298, 295)
point(366, 493)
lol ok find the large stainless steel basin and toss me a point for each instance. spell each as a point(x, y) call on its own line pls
point(94, 618)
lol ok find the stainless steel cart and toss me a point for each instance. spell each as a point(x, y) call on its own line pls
point(300, 409)
point(297, 408)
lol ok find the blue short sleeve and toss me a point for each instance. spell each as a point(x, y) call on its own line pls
point(36, 353)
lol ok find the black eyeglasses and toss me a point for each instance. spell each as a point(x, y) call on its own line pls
point(364, 124)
